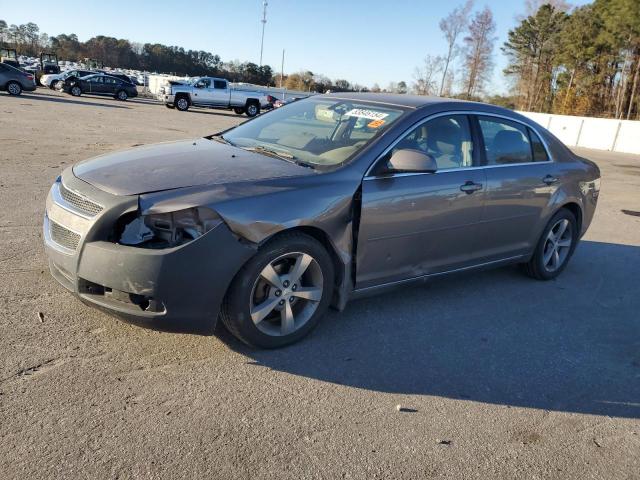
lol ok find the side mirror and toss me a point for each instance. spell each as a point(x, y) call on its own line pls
point(199, 85)
point(409, 160)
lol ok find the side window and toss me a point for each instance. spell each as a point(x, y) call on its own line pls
point(505, 142)
point(111, 81)
point(96, 80)
point(220, 84)
point(204, 83)
point(447, 139)
point(539, 152)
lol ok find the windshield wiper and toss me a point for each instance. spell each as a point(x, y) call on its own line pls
point(284, 155)
point(281, 154)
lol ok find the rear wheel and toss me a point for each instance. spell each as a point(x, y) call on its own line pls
point(14, 88)
point(238, 110)
point(122, 95)
point(281, 294)
point(182, 104)
point(555, 247)
point(252, 109)
point(76, 91)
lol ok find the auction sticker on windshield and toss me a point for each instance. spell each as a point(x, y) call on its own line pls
point(362, 113)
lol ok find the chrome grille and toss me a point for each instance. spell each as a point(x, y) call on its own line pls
point(63, 236)
point(79, 202)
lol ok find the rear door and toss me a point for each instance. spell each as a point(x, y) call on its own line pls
point(416, 224)
point(521, 178)
point(112, 85)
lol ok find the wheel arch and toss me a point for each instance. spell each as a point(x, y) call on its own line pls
point(341, 274)
point(576, 211)
point(185, 95)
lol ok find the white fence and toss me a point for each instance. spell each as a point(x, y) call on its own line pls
point(598, 133)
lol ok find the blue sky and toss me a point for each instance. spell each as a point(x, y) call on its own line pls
point(367, 42)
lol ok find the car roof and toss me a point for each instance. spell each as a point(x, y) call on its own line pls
point(396, 99)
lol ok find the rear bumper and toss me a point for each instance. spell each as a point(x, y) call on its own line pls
point(181, 284)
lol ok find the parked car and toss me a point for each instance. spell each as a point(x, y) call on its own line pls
point(281, 103)
point(333, 197)
point(55, 81)
point(14, 81)
point(213, 93)
point(122, 76)
point(100, 84)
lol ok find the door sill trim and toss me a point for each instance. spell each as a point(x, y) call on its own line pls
point(366, 290)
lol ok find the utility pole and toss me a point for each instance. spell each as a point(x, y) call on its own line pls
point(282, 74)
point(264, 21)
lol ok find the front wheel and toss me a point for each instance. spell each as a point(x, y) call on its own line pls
point(555, 247)
point(14, 88)
point(281, 294)
point(252, 110)
point(76, 91)
point(182, 104)
point(122, 95)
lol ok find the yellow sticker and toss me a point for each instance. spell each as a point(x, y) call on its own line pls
point(376, 124)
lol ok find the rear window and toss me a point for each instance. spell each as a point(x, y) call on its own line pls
point(505, 142)
point(539, 152)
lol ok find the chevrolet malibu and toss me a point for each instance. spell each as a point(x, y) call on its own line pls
point(270, 223)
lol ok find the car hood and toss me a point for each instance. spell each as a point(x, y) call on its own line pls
point(167, 166)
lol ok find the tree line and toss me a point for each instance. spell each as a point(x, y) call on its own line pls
point(561, 59)
point(582, 61)
point(120, 53)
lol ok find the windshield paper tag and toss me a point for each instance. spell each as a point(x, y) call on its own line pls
point(362, 113)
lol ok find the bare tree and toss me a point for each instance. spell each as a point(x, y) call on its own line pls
point(478, 60)
point(452, 27)
point(425, 76)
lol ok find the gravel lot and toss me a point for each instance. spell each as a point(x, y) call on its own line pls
point(501, 376)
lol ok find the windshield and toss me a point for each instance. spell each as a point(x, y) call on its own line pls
point(318, 132)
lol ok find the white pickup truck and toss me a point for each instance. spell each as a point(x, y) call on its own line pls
point(213, 93)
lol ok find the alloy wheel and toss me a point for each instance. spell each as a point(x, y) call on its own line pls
point(286, 294)
point(14, 89)
point(182, 104)
point(557, 245)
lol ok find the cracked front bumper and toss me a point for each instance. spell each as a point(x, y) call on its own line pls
point(184, 283)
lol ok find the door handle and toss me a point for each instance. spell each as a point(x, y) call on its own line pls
point(550, 179)
point(470, 187)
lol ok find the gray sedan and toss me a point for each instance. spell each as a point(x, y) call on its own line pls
point(14, 81)
point(270, 223)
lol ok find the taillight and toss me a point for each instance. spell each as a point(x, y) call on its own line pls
point(29, 77)
point(271, 99)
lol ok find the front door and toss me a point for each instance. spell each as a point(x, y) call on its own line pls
point(416, 224)
point(96, 85)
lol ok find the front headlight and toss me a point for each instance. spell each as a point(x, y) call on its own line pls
point(165, 230)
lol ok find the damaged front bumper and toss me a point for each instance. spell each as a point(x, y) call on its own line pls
point(183, 283)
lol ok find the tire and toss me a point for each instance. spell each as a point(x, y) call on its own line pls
point(14, 88)
point(54, 85)
point(286, 316)
point(76, 91)
point(238, 110)
point(552, 255)
point(182, 103)
point(252, 109)
point(122, 95)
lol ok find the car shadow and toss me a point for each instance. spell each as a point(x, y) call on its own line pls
point(210, 111)
point(498, 337)
point(47, 98)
